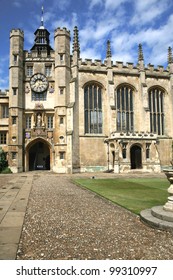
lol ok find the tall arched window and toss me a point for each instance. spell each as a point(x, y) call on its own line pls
point(125, 115)
point(156, 111)
point(93, 108)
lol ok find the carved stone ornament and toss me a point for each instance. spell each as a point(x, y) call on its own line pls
point(27, 90)
point(39, 105)
point(51, 89)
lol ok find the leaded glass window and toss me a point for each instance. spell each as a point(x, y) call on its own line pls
point(125, 114)
point(93, 108)
point(156, 97)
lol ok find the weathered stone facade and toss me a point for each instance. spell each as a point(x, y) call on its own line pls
point(72, 115)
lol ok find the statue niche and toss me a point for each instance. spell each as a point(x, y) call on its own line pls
point(39, 120)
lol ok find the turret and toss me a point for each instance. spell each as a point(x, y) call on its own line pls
point(16, 100)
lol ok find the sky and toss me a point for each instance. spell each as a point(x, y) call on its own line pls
point(126, 23)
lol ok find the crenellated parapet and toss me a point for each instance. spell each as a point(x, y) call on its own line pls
point(4, 92)
point(62, 31)
point(121, 67)
point(17, 32)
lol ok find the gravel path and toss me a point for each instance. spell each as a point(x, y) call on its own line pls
point(64, 221)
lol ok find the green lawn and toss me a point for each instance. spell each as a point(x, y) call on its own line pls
point(133, 194)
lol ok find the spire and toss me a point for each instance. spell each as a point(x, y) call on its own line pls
point(140, 53)
point(170, 58)
point(108, 52)
point(76, 46)
point(42, 18)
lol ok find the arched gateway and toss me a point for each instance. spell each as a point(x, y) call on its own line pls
point(38, 155)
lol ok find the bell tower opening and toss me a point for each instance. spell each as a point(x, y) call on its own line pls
point(39, 156)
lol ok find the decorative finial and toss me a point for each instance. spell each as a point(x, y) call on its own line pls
point(140, 53)
point(76, 46)
point(170, 58)
point(108, 52)
point(42, 17)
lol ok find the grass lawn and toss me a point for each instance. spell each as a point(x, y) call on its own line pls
point(134, 194)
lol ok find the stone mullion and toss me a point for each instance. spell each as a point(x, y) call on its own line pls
point(89, 113)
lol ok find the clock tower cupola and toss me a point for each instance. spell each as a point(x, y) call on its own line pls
point(42, 41)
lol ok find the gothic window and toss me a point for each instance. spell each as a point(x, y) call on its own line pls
point(5, 111)
point(124, 103)
point(93, 108)
point(48, 70)
point(156, 96)
point(28, 122)
point(50, 122)
point(29, 72)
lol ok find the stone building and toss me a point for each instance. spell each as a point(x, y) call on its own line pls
point(69, 115)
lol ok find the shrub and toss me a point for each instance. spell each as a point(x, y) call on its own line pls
point(3, 160)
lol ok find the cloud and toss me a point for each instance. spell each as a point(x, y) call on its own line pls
point(94, 3)
point(108, 4)
point(17, 4)
point(148, 11)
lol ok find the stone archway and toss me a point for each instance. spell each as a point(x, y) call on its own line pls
point(38, 155)
point(136, 157)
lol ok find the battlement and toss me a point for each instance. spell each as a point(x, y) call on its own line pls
point(62, 31)
point(120, 66)
point(90, 62)
point(4, 92)
point(16, 32)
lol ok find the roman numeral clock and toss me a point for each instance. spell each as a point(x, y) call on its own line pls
point(39, 83)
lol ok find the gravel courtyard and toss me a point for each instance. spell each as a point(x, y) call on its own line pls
point(64, 221)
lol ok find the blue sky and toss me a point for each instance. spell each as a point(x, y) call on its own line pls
point(126, 23)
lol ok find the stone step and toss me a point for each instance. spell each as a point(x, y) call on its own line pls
point(161, 214)
point(147, 217)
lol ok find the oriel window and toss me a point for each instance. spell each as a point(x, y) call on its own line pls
point(93, 109)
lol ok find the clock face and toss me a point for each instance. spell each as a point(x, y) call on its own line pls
point(38, 83)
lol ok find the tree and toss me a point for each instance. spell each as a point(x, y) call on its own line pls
point(3, 160)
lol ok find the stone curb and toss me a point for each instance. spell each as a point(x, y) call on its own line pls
point(13, 205)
